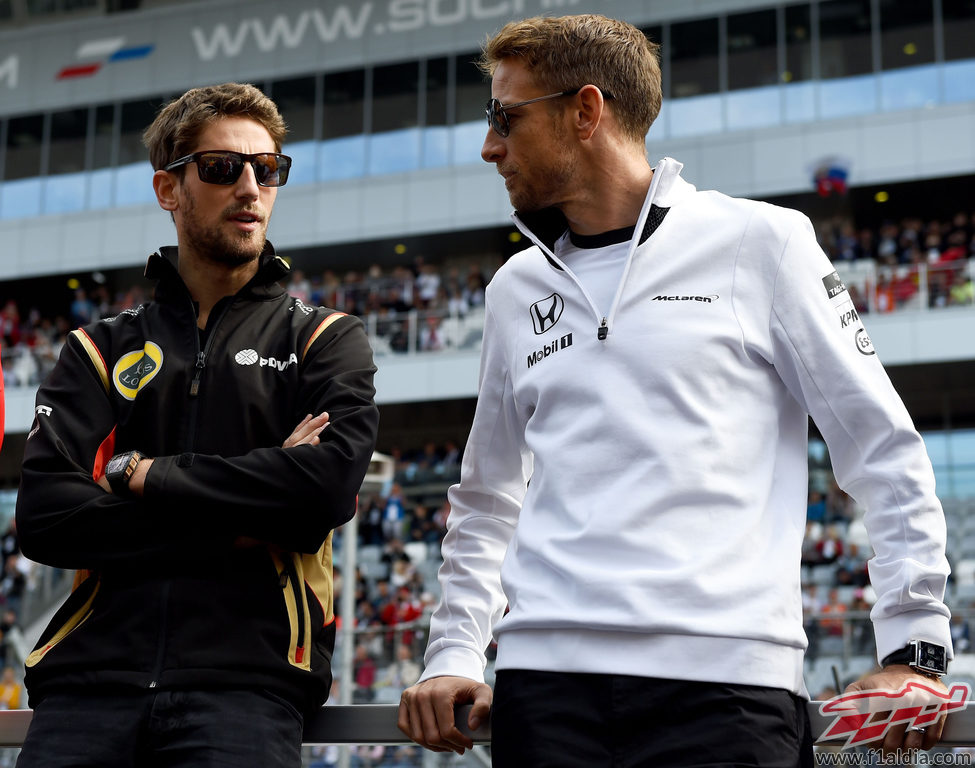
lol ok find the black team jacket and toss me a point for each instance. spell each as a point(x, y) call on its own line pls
point(221, 575)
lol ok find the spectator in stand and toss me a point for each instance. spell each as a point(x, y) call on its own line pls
point(371, 522)
point(300, 287)
point(432, 335)
point(831, 614)
point(962, 292)
point(830, 547)
point(13, 581)
point(815, 507)
point(394, 513)
point(364, 673)
point(382, 595)
point(83, 309)
point(406, 670)
point(427, 284)
point(10, 324)
point(10, 689)
point(422, 527)
point(404, 608)
point(474, 287)
point(960, 634)
point(394, 552)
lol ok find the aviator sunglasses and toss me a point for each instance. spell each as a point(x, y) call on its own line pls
point(224, 166)
point(497, 117)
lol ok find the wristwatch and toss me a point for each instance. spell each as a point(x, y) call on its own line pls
point(120, 469)
point(927, 658)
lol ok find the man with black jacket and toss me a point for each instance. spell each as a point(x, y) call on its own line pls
point(190, 459)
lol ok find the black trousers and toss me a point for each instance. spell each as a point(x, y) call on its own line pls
point(563, 720)
point(164, 729)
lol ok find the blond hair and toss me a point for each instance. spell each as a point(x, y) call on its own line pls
point(571, 51)
point(178, 125)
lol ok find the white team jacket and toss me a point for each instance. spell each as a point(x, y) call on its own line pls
point(660, 532)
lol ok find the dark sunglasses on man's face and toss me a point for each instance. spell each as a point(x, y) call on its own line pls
point(497, 117)
point(222, 166)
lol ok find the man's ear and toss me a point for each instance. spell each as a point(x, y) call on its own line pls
point(590, 110)
point(166, 190)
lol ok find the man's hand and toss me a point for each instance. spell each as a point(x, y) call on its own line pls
point(307, 432)
point(895, 678)
point(426, 712)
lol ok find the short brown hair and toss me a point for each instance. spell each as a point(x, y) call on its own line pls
point(571, 51)
point(177, 127)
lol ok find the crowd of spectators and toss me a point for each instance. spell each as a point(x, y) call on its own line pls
point(406, 306)
point(916, 261)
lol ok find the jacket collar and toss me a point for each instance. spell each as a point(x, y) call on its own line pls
point(546, 226)
point(162, 266)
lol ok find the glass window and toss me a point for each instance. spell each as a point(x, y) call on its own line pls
point(655, 34)
point(68, 131)
point(436, 93)
point(136, 117)
point(693, 58)
point(296, 102)
point(844, 32)
point(23, 158)
point(959, 18)
point(395, 96)
point(342, 104)
point(798, 44)
point(752, 50)
point(906, 33)
point(472, 89)
point(104, 135)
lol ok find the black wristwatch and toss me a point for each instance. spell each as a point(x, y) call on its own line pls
point(927, 658)
point(120, 469)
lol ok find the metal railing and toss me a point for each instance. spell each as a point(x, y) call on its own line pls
point(376, 724)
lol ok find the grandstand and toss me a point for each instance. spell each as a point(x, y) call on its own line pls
point(861, 113)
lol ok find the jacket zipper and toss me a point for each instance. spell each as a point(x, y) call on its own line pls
point(602, 331)
point(201, 357)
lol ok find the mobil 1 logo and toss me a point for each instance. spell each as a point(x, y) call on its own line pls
point(548, 350)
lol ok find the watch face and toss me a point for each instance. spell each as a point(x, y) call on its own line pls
point(117, 463)
point(931, 656)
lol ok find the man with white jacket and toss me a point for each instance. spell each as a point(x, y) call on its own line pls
point(634, 487)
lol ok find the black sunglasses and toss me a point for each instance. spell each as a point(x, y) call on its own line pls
point(497, 117)
point(223, 166)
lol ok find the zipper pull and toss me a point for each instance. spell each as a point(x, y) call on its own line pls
point(603, 331)
point(201, 362)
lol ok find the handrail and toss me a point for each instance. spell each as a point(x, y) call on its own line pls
point(376, 724)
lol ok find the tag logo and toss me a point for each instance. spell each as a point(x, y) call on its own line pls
point(834, 285)
point(136, 369)
point(546, 313)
